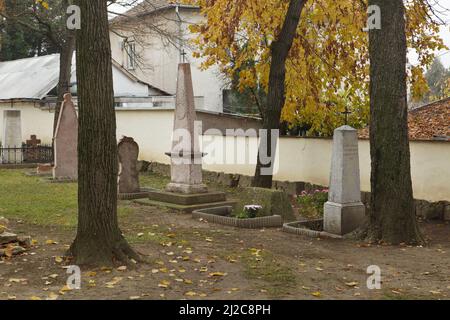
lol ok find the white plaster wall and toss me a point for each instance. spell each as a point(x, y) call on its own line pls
point(34, 121)
point(123, 85)
point(152, 130)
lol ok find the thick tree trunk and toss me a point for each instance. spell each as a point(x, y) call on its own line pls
point(99, 240)
point(392, 216)
point(276, 96)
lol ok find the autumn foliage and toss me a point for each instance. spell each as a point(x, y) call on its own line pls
point(328, 65)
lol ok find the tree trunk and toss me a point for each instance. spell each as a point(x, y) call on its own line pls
point(392, 215)
point(65, 72)
point(99, 240)
point(276, 96)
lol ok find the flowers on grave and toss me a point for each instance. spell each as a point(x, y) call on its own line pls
point(311, 203)
point(250, 211)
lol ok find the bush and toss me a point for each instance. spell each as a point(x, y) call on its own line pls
point(311, 203)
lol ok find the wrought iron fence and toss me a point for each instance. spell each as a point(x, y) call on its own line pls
point(26, 154)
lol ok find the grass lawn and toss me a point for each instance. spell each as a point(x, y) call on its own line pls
point(35, 201)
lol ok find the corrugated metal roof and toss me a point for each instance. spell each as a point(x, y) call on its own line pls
point(31, 78)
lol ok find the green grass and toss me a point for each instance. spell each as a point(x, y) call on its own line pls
point(153, 180)
point(278, 278)
point(32, 200)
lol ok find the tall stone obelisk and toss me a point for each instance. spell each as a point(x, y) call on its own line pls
point(186, 158)
point(344, 212)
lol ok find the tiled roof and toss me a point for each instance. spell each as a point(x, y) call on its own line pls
point(429, 122)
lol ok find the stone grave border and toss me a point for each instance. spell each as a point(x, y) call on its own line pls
point(253, 223)
point(303, 228)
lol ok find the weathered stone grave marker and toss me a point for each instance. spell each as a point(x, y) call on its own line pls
point(344, 212)
point(186, 191)
point(186, 158)
point(128, 179)
point(12, 136)
point(32, 153)
point(66, 142)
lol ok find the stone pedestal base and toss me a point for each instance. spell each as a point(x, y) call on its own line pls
point(133, 196)
point(341, 219)
point(186, 188)
point(186, 202)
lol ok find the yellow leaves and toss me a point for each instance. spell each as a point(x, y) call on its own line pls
point(64, 290)
point(113, 282)
point(328, 57)
point(52, 296)
point(218, 274)
point(18, 280)
point(419, 85)
point(58, 259)
point(164, 284)
point(316, 294)
point(43, 3)
point(351, 284)
point(194, 294)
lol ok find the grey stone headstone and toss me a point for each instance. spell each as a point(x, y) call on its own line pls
point(344, 212)
point(66, 142)
point(128, 151)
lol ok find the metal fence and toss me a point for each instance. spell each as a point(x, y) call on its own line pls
point(26, 154)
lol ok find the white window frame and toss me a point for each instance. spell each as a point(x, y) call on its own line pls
point(130, 51)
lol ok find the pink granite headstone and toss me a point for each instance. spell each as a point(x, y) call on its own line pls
point(66, 142)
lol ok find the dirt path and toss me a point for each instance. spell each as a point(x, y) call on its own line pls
point(190, 259)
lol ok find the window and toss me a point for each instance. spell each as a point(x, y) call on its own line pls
point(130, 49)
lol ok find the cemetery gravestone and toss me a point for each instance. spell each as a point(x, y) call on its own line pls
point(186, 158)
point(12, 136)
point(66, 142)
point(128, 151)
point(344, 212)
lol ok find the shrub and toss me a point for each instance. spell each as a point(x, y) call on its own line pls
point(311, 203)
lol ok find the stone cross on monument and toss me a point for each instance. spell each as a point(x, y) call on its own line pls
point(346, 113)
point(186, 158)
point(33, 142)
point(344, 211)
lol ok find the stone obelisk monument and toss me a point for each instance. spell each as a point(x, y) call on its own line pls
point(186, 191)
point(344, 212)
point(186, 158)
